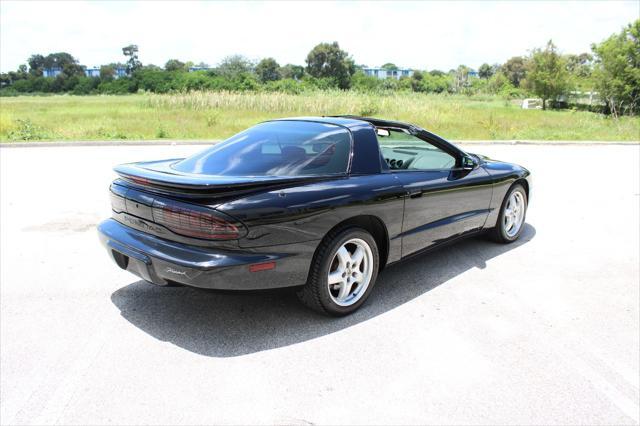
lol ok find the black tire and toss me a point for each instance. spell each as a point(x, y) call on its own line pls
point(498, 233)
point(315, 293)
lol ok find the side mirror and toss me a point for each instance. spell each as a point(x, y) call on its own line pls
point(469, 163)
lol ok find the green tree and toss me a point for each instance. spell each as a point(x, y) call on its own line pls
point(64, 61)
point(8, 79)
point(416, 81)
point(580, 68)
point(485, 71)
point(108, 72)
point(365, 83)
point(547, 75)
point(461, 78)
point(174, 65)
point(617, 70)
point(36, 65)
point(5, 80)
point(234, 65)
point(580, 65)
point(22, 71)
point(268, 70)
point(327, 60)
point(390, 67)
point(515, 69)
point(131, 51)
point(295, 72)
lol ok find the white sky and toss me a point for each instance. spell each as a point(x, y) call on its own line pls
point(423, 35)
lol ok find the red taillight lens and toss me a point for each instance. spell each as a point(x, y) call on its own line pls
point(194, 223)
point(138, 180)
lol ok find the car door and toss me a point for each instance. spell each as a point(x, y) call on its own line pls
point(446, 196)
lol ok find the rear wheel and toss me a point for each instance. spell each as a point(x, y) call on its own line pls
point(512, 216)
point(342, 273)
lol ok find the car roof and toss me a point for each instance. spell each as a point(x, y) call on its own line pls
point(378, 122)
point(337, 120)
point(353, 121)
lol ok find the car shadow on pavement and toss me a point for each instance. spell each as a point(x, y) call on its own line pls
point(226, 324)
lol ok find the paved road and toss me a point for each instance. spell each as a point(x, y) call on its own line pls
point(542, 331)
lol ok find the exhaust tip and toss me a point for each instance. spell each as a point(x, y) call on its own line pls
point(121, 260)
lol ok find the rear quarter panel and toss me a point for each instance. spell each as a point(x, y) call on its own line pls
point(308, 212)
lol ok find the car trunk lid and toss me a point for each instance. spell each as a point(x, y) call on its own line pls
point(159, 176)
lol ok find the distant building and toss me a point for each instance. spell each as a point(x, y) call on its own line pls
point(95, 72)
point(92, 72)
point(121, 72)
point(192, 69)
point(52, 72)
point(382, 73)
point(472, 73)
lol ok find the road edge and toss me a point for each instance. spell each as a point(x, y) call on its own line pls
point(160, 142)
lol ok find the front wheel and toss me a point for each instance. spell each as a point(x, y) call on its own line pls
point(512, 215)
point(342, 273)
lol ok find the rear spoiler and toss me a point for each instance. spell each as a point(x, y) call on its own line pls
point(161, 177)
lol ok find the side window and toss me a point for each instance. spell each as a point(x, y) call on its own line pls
point(403, 151)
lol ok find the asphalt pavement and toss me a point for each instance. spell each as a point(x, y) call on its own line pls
point(543, 331)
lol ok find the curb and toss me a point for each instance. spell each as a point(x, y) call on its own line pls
point(543, 142)
point(41, 144)
point(159, 142)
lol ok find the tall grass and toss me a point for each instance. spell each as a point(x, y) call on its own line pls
point(215, 115)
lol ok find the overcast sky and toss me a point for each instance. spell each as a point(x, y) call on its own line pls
point(423, 35)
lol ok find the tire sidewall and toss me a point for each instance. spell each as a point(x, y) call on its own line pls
point(501, 230)
point(323, 288)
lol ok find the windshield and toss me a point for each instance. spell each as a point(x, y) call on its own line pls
point(276, 148)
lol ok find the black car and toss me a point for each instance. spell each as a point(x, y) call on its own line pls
point(321, 203)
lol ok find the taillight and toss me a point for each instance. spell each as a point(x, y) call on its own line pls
point(195, 223)
point(138, 180)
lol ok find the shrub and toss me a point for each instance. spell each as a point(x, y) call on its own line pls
point(41, 84)
point(23, 86)
point(120, 86)
point(365, 83)
point(288, 85)
point(26, 131)
point(368, 109)
point(438, 83)
point(8, 91)
point(190, 81)
point(156, 81)
point(86, 85)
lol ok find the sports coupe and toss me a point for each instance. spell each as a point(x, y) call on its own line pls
point(319, 203)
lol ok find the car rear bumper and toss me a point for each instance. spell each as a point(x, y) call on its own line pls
point(162, 262)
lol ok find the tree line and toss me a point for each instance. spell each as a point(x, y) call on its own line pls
point(611, 72)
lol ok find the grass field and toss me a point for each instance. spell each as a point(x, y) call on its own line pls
point(216, 115)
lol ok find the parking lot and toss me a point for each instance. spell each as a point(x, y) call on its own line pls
point(546, 330)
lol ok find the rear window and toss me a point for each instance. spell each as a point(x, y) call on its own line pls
point(276, 148)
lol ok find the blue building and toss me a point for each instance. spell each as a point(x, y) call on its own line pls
point(52, 72)
point(121, 72)
point(382, 73)
point(95, 72)
point(92, 72)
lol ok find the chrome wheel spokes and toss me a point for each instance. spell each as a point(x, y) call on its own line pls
point(350, 272)
point(514, 213)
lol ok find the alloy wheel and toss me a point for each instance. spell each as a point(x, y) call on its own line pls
point(514, 214)
point(350, 272)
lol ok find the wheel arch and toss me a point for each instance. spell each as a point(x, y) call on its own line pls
point(525, 184)
point(372, 224)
